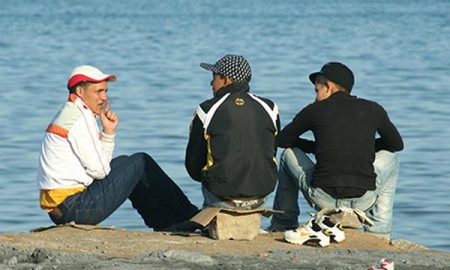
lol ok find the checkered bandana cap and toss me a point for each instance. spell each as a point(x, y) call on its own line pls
point(233, 66)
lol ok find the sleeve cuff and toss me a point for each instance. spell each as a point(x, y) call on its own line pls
point(108, 137)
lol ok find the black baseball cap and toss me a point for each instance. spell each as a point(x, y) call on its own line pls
point(337, 73)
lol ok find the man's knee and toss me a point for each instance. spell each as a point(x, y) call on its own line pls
point(385, 159)
point(285, 154)
point(291, 155)
point(142, 158)
point(296, 158)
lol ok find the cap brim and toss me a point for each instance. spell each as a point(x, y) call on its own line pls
point(209, 67)
point(80, 78)
point(111, 78)
point(313, 76)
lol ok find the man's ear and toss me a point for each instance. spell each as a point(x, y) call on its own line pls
point(79, 91)
point(228, 80)
point(331, 87)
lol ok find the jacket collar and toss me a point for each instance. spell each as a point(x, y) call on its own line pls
point(341, 94)
point(232, 88)
point(79, 103)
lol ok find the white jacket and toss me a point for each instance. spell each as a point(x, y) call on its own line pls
point(74, 152)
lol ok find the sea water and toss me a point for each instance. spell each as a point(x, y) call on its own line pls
point(398, 50)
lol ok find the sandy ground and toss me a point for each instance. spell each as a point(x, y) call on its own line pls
point(102, 248)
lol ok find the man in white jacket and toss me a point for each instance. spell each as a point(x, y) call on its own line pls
point(80, 181)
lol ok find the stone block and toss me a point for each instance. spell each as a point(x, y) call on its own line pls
point(236, 224)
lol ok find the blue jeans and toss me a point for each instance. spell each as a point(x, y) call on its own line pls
point(158, 200)
point(295, 173)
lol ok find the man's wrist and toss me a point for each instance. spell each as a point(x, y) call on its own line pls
point(109, 131)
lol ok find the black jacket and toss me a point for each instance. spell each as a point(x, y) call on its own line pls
point(344, 129)
point(235, 155)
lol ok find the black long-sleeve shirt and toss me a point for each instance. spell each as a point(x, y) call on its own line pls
point(344, 129)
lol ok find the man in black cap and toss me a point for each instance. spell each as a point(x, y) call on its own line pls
point(231, 148)
point(353, 168)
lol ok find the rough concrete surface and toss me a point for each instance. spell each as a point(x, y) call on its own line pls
point(97, 248)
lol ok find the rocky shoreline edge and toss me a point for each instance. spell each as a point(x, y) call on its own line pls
point(105, 248)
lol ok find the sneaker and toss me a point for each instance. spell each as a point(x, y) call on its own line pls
point(183, 226)
point(384, 264)
point(334, 230)
point(309, 232)
point(277, 228)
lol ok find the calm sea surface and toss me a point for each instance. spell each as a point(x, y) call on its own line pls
point(399, 52)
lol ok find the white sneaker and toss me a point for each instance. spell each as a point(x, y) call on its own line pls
point(334, 230)
point(310, 231)
point(384, 264)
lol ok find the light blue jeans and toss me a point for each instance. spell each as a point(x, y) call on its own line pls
point(295, 173)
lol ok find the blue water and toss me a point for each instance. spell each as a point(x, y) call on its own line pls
point(399, 52)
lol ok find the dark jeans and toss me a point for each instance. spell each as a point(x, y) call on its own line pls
point(158, 200)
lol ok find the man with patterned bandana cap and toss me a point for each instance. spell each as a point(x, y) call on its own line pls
point(79, 180)
point(231, 148)
point(353, 169)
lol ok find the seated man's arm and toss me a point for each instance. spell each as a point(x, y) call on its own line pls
point(289, 135)
point(390, 138)
point(196, 149)
point(278, 126)
point(305, 145)
point(94, 154)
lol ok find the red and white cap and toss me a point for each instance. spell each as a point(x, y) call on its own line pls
point(87, 73)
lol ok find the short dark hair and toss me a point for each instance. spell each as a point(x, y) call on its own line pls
point(82, 84)
point(320, 79)
point(221, 76)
